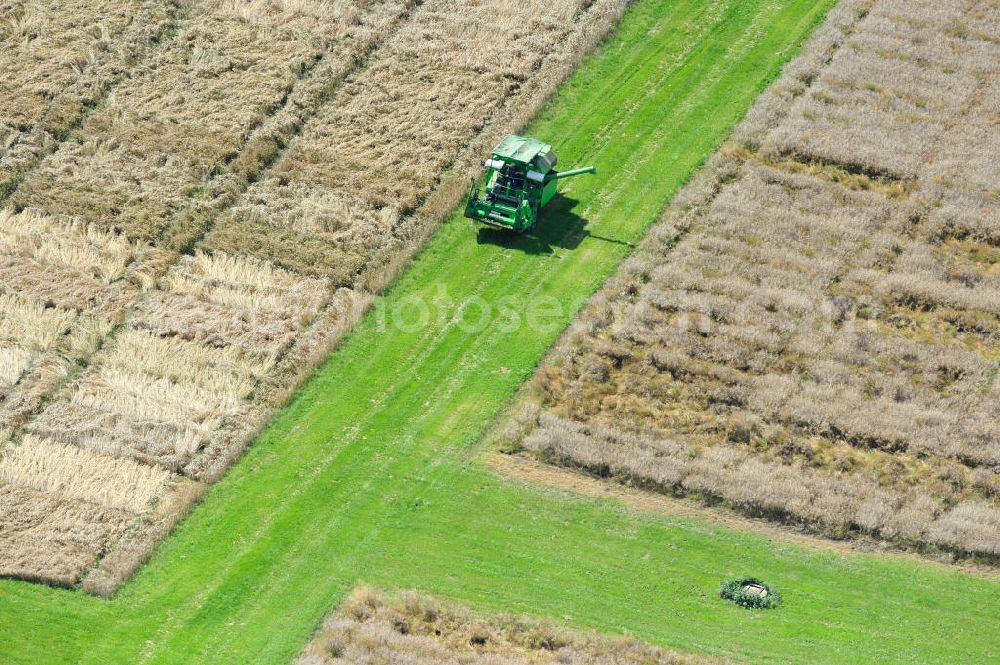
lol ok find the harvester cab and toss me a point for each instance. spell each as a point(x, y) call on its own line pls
point(519, 179)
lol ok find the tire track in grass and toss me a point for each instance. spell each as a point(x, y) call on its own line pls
point(693, 21)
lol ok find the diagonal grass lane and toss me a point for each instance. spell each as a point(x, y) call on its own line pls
point(367, 474)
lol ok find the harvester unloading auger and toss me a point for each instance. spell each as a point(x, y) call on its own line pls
point(519, 179)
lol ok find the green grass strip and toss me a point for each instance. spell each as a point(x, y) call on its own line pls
point(373, 471)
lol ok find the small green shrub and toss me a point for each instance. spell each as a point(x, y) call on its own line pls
point(735, 591)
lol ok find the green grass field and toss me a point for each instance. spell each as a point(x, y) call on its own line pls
point(374, 473)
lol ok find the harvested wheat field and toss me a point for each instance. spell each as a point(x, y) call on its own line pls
point(179, 254)
point(372, 627)
point(812, 332)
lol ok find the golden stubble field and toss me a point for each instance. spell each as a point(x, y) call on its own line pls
point(199, 200)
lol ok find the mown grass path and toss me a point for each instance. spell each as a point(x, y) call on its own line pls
point(373, 473)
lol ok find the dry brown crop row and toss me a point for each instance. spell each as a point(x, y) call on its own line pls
point(57, 60)
point(813, 333)
point(61, 284)
point(48, 538)
point(46, 47)
point(78, 474)
point(186, 111)
point(370, 627)
point(186, 363)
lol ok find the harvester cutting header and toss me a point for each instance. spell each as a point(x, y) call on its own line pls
point(520, 178)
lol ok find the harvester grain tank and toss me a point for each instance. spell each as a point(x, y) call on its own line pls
point(519, 179)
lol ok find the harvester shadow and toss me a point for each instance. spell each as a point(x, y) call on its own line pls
point(558, 227)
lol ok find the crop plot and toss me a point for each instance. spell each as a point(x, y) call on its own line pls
point(371, 627)
point(45, 49)
point(175, 267)
point(57, 60)
point(61, 283)
point(185, 112)
point(187, 361)
point(811, 334)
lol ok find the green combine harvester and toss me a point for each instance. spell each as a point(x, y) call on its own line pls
point(519, 179)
